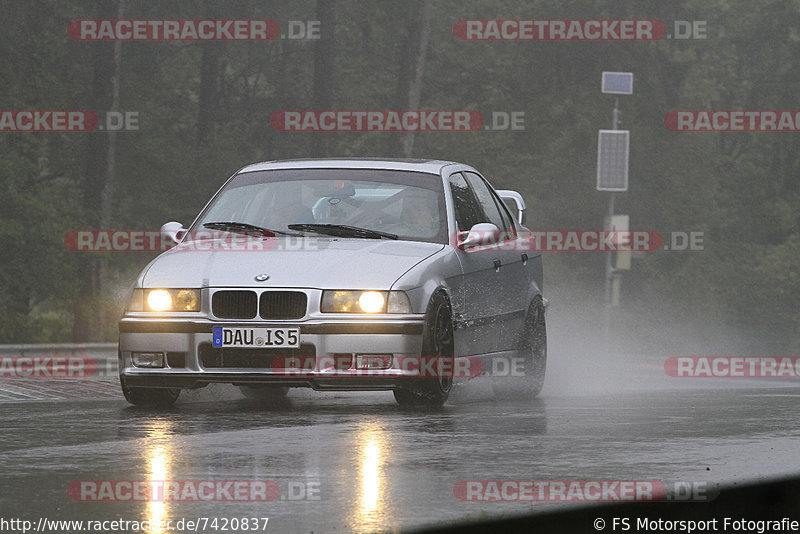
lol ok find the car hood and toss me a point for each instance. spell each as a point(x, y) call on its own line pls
point(332, 263)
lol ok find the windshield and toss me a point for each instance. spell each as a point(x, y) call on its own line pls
point(409, 205)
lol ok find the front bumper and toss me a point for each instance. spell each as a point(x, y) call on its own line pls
point(192, 362)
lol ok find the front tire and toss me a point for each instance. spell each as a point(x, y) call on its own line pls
point(437, 342)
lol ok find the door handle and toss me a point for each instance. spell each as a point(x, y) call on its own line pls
point(497, 265)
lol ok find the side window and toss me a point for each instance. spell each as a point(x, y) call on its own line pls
point(487, 201)
point(467, 211)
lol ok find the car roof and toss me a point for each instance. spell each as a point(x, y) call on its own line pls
point(432, 166)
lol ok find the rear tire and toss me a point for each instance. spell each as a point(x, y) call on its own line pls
point(437, 341)
point(156, 397)
point(533, 351)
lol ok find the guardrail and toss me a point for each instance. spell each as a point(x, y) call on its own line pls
point(97, 351)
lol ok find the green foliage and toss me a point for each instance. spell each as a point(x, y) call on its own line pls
point(741, 190)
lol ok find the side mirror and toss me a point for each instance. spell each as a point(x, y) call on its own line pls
point(173, 231)
point(480, 234)
point(506, 195)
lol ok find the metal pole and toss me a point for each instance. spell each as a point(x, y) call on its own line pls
point(609, 255)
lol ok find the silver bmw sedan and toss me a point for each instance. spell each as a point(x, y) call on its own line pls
point(341, 274)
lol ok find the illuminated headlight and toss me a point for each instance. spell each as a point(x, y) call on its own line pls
point(372, 302)
point(365, 302)
point(159, 300)
point(162, 300)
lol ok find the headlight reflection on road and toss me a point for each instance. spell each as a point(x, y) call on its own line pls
point(159, 457)
point(372, 450)
point(370, 476)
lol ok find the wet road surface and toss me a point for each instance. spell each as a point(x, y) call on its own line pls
point(342, 462)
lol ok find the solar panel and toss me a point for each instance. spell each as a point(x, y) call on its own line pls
point(617, 83)
point(612, 160)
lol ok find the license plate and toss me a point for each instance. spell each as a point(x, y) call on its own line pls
point(254, 338)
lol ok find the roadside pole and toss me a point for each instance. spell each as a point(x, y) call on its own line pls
point(612, 176)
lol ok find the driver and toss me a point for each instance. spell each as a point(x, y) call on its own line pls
point(420, 215)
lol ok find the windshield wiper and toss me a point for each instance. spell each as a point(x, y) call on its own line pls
point(245, 228)
point(343, 230)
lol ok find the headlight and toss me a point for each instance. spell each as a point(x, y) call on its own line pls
point(159, 300)
point(365, 302)
point(399, 303)
point(162, 300)
point(371, 302)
